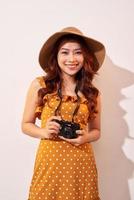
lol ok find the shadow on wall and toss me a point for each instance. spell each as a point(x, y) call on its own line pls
point(113, 166)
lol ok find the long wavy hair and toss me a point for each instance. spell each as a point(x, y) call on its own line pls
point(83, 78)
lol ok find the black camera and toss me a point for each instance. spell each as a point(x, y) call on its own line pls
point(68, 129)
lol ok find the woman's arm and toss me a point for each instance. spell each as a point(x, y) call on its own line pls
point(28, 122)
point(94, 125)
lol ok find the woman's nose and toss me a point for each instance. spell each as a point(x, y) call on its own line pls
point(71, 57)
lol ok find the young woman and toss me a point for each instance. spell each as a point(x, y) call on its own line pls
point(68, 105)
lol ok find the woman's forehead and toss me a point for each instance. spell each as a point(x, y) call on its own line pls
point(70, 44)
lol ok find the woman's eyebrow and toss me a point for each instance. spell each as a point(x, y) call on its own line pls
point(63, 48)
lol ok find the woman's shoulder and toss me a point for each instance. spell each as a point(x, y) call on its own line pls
point(40, 80)
point(37, 84)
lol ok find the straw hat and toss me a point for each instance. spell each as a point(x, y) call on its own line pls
point(95, 46)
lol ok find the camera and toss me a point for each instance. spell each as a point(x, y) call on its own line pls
point(68, 129)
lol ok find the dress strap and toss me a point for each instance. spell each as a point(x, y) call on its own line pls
point(38, 109)
point(41, 81)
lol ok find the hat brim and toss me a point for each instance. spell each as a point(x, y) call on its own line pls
point(95, 46)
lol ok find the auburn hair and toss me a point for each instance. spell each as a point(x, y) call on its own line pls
point(83, 78)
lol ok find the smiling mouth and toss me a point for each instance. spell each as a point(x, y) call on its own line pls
point(72, 65)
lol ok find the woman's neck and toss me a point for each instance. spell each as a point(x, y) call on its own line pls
point(68, 86)
point(68, 79)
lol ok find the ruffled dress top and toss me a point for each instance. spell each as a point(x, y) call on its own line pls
point(63, 171)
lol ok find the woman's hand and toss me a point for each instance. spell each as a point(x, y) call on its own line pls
point(83, 137)
point(51, 129)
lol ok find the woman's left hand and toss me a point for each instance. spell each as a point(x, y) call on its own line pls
point(83, 137)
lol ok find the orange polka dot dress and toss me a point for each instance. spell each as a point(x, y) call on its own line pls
point(63, 171)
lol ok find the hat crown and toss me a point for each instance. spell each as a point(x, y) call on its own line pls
point(72, 30)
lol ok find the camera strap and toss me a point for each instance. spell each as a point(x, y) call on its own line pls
point(58, 110)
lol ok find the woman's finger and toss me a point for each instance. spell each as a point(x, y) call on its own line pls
point(79, 132)
point(54, 117)
point(54, 123)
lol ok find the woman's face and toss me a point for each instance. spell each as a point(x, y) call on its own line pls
point(70, 58)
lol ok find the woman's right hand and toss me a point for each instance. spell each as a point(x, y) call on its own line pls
point(51, 129)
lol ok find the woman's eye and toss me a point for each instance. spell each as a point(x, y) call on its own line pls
point(64, 52)
point(78, 52)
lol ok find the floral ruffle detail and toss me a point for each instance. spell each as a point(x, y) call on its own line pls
point(38, 111)
point(73, 99)
point(47, 97)
point(54, 97)
point(41, 81)
point(65, 98)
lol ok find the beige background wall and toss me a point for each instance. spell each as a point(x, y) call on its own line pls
point(24, 25)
